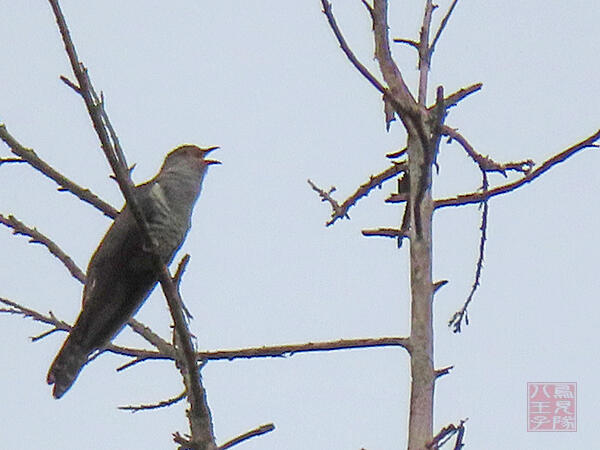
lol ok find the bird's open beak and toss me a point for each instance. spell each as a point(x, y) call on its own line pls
point(206, 151)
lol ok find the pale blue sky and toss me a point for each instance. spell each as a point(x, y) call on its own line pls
point(267, 82)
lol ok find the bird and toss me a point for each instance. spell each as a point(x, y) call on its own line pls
point(122, 273)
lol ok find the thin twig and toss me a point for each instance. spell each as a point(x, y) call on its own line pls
point(346, 49)
point(456, 321)
point(161, 404)
point(162, 345)
point(408, 42)
point(65, 184)
point(442, 26)
point(11, 160)
point(39, 238)
point(375, 181)
point(258, 431)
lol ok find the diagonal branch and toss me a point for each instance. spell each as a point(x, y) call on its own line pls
point(263, 429)
point(341, 211)
point(39, 238)
point(455, 97)
point(65, 184)
point(442, 26)
point(346, 49)
point(390, 71)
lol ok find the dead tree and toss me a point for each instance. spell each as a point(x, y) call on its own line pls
point(413, 166)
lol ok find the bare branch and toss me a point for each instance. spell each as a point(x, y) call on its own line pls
point(456, 320)
point(326, 197)
point(368, 7)
point(161, 404)
point(408, 42)
point(485, 163)
point(263, 429)
point(444, 371)
point(391, 74)
point(454, 98)
point(438, 285)
point(393, 233)
point(291, 349)
point(11, 160)
point(346, 49)
point(70, 84)
point(65, 184)
point(162, 345)
point(375, 181)
point(478, 197)
point(425, 52)
point(398, 154)
point(39, 238)
point(442, 26)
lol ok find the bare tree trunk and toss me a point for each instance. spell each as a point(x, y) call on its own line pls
point(421, 336)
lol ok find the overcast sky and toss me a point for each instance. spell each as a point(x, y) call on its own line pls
point(267, 82)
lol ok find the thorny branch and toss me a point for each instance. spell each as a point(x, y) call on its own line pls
point(479, 197)
point(341, 211)
point(162, 404)
point(38, 238)
point(65, 184)
point(485, 163)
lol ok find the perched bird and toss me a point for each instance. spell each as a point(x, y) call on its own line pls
point(121, 273)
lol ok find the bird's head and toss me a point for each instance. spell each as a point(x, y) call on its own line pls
point(189, 155)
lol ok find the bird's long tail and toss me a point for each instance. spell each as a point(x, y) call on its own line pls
point(66, 366)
